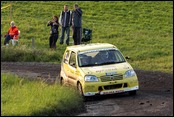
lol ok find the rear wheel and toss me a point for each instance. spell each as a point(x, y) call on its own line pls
point(62, 82)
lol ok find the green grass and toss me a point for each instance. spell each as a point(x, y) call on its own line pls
point(21, 97)
point(142, 30)
point(26, 54)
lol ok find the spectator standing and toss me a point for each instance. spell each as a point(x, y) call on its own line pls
point(65, 22)
point(53, 32)
point(13, 33)
point(77, 24)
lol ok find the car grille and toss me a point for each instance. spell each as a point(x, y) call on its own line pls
point(116, 86)
point(111, 78)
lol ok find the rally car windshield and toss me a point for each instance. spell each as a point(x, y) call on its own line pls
point(100, 57)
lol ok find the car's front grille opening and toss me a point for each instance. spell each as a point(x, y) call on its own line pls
point(116, 86)
point(111, 77)
point(125, 85)
point(100, 88)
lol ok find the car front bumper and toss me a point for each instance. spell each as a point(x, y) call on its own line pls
point(114, 91)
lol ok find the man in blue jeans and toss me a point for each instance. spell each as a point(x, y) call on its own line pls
point(65, 22)
point(77, 24)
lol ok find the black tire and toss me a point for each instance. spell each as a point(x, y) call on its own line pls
point(133, 92)
point(79, 88)
point(62, 82)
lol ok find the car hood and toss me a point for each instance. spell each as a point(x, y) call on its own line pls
point(121, 67)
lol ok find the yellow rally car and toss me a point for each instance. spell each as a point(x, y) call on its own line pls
point(97, 69)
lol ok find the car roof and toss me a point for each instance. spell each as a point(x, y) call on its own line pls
point(90, 46)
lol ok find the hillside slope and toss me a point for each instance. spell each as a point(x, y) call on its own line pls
point(142, 30)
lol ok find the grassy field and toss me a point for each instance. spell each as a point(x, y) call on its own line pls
point(141, 30)
point(21, 97)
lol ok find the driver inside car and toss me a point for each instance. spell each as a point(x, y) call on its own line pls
point(101, 57)
point(84, 60)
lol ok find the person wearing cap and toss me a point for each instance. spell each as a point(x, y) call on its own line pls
point(13, 33)
point(77, 24)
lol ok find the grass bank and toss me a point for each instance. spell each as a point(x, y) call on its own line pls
point(21, 97)
point(142, 30)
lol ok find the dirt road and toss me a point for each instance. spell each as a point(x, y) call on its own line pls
point(154, 98)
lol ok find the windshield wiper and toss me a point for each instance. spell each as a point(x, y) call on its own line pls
point(105, 63)
point(113, 62)
point(89, 65)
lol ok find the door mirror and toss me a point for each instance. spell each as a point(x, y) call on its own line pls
point(127, 57)
point(73, 64)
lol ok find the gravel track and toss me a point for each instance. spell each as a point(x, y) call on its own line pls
point(154, 98)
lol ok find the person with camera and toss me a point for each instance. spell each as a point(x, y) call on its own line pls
point(65, 22)
point(77, 24)
point(53, 32)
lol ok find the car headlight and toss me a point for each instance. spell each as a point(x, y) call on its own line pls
point(129, 73)
point(91, 78)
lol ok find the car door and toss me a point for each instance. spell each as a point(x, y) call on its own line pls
point(65, 66)
point(72, 68)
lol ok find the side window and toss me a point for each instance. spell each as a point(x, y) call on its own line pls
point(72, 60)
point(66, 58)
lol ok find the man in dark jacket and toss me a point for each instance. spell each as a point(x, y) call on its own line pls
point(77, 24)
point(65, 22)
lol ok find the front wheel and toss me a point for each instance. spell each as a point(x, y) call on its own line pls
point(79, 87)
